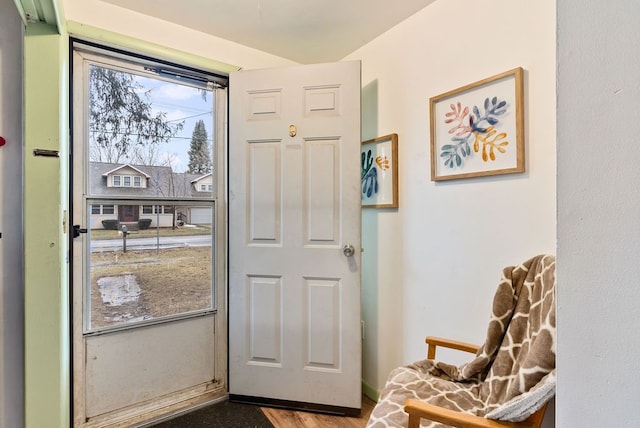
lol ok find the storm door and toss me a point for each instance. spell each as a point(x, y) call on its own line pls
point(148, 283)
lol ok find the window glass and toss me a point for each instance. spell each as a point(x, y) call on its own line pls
point(146, 260)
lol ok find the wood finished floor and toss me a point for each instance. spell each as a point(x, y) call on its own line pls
point(281, 418)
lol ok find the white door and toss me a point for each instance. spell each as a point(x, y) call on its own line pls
point(148, 296)
point(294, 204)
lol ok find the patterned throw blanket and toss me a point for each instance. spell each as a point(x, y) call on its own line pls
point(513, 372)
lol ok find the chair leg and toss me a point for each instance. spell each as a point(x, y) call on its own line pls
point(414, 421)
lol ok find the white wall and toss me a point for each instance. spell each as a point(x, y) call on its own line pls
point(11, 260)
point(598, 213)
point(132, 24)
point(431, 266)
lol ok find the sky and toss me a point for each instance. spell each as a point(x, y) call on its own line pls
point(181, 103)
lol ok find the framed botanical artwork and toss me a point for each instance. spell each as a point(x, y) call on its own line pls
point(478, 129)
point(379, 172)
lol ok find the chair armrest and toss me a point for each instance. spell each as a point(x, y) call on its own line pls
point(418, 409)
point(433, 342)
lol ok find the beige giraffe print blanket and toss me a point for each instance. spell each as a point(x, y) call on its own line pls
point(513, 372)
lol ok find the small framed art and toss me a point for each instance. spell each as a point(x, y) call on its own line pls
point(379, 172)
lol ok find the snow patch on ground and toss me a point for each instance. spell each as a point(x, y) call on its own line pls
point(117, 290)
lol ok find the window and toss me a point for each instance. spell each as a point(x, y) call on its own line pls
point(210, 188)
point(158, 209)
point(203, 187)
point(162, 189)
point(126, 181)
point(102, 209)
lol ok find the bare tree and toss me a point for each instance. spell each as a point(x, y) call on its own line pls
point(120, 115)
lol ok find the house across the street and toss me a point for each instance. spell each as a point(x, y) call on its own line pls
point(155, 196)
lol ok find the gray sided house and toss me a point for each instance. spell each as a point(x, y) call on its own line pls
point(152, 189)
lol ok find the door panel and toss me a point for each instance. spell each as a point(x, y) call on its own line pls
point(294, 181)
point(265, 198)
point(322, 192)
point(324, 324)
point(114, 360)
point(264, 326)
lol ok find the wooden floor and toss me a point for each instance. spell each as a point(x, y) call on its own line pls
point(294, 419)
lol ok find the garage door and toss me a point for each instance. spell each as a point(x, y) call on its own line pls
point(200, 215)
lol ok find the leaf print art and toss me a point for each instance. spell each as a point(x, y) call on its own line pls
point(379, 172)
point(474, 128)
point(477, 129)
point(369, 176)
point(383, 162)
point(457, 115)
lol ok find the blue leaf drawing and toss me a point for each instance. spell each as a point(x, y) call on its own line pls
point(370, 183)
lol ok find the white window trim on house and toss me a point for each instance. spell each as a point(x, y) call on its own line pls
point(127, 180)
point(157, 209)
point(203, 187)
point(103, 209)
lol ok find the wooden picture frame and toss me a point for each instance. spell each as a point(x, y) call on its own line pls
point(379, 172)
point(478, 129)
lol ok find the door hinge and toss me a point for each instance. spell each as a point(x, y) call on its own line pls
point(77, 230)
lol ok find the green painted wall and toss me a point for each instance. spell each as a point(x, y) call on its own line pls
point(47, 343)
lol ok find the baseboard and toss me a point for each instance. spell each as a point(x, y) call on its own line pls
point(370, 391)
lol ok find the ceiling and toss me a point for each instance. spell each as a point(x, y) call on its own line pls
point(304, 31)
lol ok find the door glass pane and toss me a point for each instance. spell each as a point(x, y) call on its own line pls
point(150, 269)
point(150, 161)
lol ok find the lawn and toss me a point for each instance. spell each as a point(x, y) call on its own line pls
point(170, 281)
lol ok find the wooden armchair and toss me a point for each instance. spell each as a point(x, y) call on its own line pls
point(506, 384)
point(419, 409)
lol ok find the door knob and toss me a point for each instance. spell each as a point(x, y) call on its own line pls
point(348, 250)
